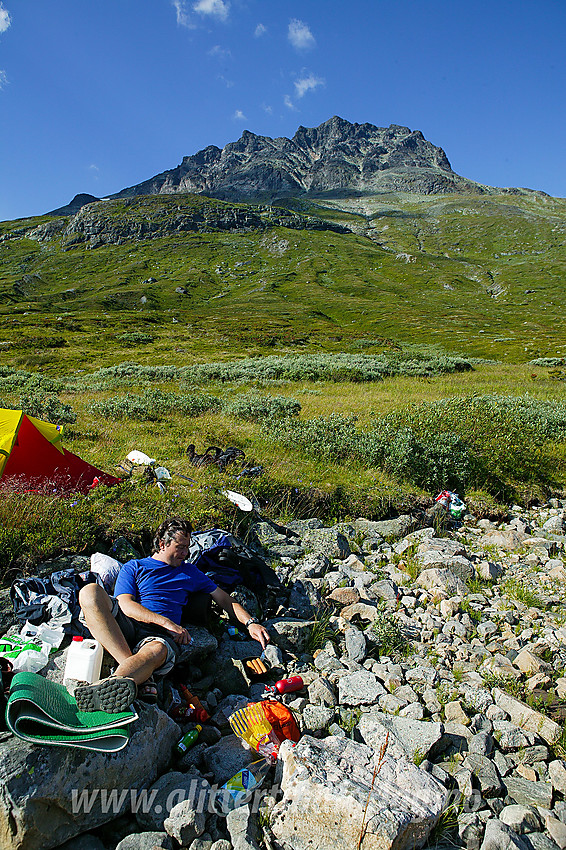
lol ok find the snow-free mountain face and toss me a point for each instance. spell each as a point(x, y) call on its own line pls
point(335, 158)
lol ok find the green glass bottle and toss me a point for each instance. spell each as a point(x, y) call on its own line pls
point(188, 740)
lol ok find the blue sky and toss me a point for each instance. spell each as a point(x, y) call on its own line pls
point(97, 96)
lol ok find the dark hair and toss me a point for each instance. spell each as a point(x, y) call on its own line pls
point(168, 530)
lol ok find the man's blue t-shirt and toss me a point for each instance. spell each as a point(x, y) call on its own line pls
point(161, 588)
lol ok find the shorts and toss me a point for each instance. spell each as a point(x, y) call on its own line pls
point(138, 634)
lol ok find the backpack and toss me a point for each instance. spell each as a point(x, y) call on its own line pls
point(229, 562)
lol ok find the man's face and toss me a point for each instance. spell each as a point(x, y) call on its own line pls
point(176, 552)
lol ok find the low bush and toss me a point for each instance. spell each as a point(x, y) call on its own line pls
point(491, 443)
point(135, 338)
point(254, 407)
point(301, 367)
point(154, 404)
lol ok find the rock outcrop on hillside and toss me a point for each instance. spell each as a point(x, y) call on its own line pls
point(335, 158)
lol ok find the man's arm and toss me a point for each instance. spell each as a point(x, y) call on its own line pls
point(142, 614)
point(237, 612)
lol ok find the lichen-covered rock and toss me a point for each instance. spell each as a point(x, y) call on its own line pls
point(336, 789)
point(50, 794)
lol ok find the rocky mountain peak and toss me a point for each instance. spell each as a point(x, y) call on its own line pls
point(335, 157)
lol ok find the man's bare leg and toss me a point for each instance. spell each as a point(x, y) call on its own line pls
point(97, 609)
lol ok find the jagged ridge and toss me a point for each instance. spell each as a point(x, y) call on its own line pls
point(337, 156)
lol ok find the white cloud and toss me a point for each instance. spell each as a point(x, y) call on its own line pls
point(5, 19)
point(221, 53)
point(239, 115)
point(260, 30)
point(94, 167)
point(308, 83)
point(288, 102)
point(3, 79)
point(300, 35)
point(183, 19)
point(217, 8)
point(228, 83)
point(267, 108)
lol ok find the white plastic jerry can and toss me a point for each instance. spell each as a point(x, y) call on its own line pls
point(84, 660)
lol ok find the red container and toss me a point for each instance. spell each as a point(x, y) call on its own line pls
point(287, 686)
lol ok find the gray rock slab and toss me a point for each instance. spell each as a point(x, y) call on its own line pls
point(499, 836)
point(227, 757)
point(171, 789)
point(41, 804)
point(527, 718)
point(290, 634)
point(202, 645)
point(359, 688)
point(145, 841)
point(521, 819)
point(414, 737)
point(486, 774)
point(326, 787)
point(442, 580)
point(185, 823)
point(389, 528)
point(355, 645)
point(329, 542)
point(528, 793)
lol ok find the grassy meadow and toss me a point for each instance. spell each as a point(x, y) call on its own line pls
point(364, 370)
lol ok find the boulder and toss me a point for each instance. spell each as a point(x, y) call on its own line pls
point(336, 789)
point(413, 737)
point(390, 528)
point(327, 541)
point(290, 634)
point(442, 581)
point(499, 836)
point(50, 794)
point(359, 688)
point(227, 757)
point(527, 718)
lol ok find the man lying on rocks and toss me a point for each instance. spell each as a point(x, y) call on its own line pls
point(141, 625)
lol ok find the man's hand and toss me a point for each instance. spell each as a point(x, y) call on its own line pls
point(179, 633)
point(259, 633)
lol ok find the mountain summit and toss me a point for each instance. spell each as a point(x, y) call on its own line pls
point(335, 158)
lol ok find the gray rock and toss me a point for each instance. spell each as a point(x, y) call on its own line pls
point(359, 688)
point(470, 830)
point(443, 581)
point(521, 819)
point(277, 541)
point(316, 718)
point(329, 542)
point(326, 788)
point(498, 836)
point(355, 645)
point(202, 645)
point(243, 829)
point(290, 634)
point(555, 524)
point(413, 737)
point(539, 841)
point(486, 773)
point(384, 589)
point(314, 566)
point(304, 601)
point(144, 841)
point(226, 758)
point(525, 717)
point(389, 528)
point(527, 793)
point(171, 789)
point(321, 692)
point(221, 844)
point(51, 794)
point(185, 823)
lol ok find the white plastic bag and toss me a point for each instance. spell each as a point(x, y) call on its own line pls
point(107, 568)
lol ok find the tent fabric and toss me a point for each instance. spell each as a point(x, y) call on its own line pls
point(31, 455)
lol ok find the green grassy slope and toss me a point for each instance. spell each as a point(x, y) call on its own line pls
point(481, 276)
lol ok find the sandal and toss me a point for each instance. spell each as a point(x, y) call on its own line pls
point(113, 695)
point(148, 692)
